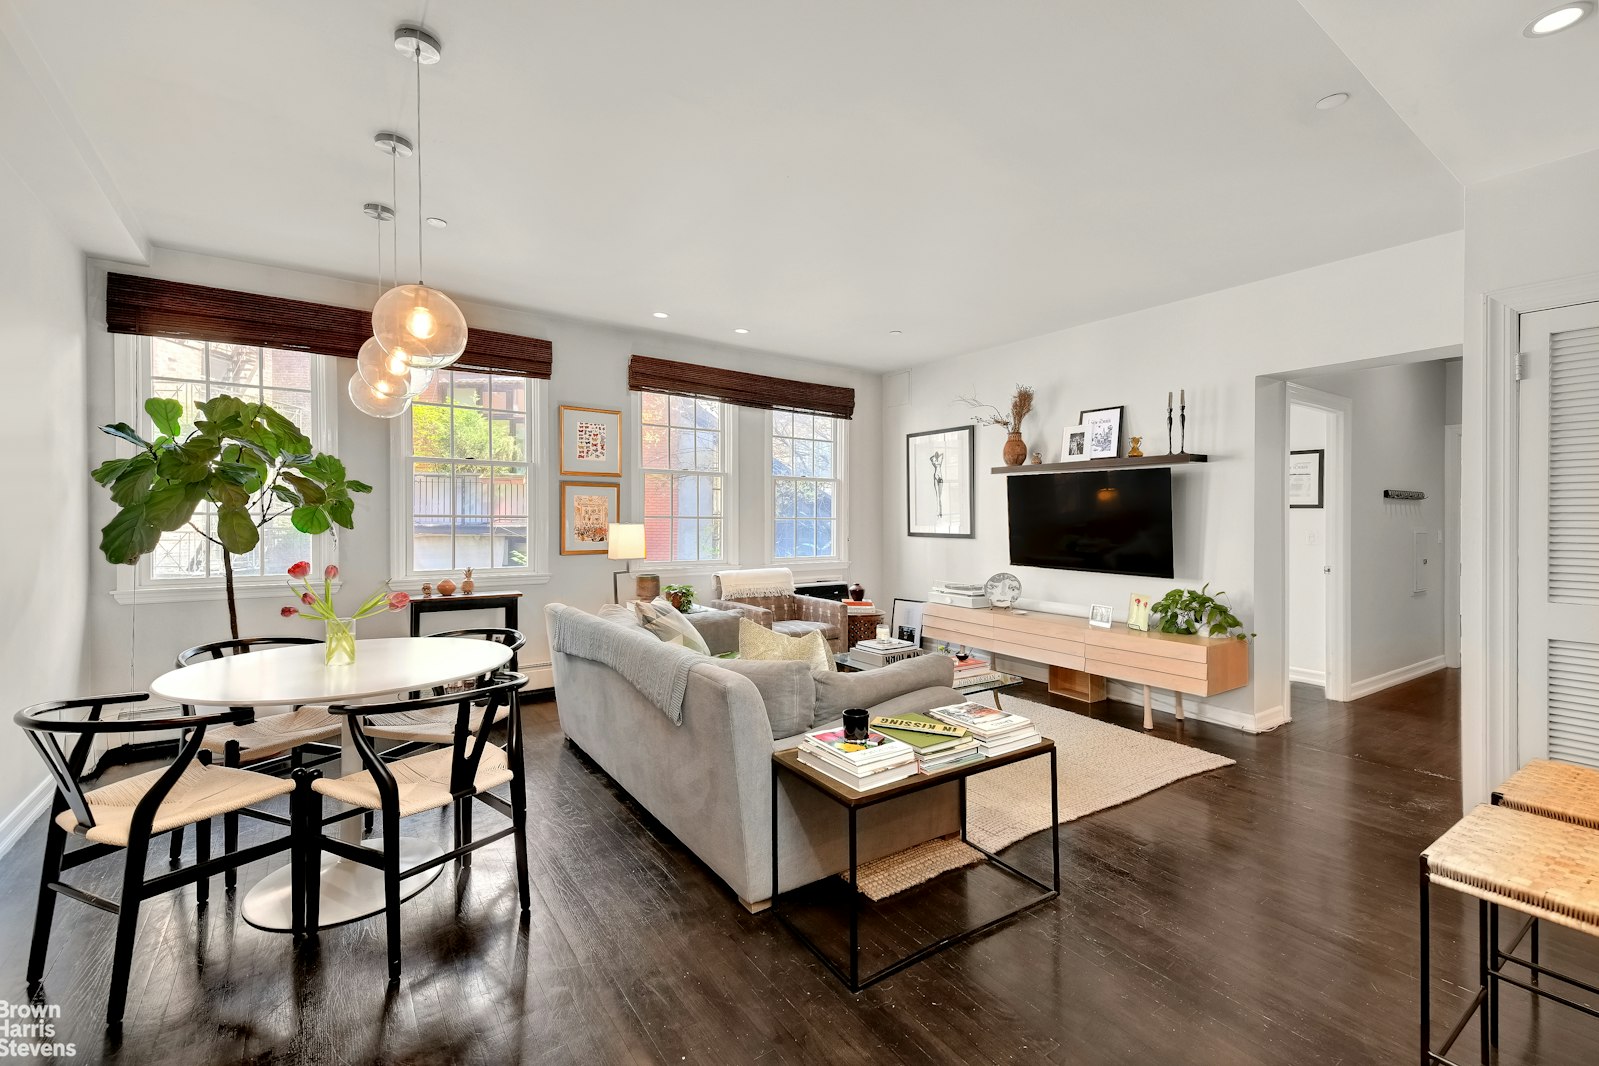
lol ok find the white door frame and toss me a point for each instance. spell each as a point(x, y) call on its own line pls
point(1490, 488)
point(1339, 497)
point(1452, 461)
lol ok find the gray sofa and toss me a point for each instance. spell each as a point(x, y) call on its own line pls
point(709, 780)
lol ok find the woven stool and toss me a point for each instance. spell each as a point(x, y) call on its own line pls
point(1536, 866)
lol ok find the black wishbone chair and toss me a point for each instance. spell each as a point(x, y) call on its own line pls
point(123, 816)
point(422, 728)
point(272, 743)
point(458, 774)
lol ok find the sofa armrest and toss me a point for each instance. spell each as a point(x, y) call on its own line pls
point(759, 615)
point(832, 612)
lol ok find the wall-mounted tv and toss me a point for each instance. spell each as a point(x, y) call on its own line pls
point(1105, 521)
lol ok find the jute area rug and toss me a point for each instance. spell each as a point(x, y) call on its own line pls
point(1101, 766)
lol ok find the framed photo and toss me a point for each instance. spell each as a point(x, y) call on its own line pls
point(591, 441)
point(1307, 477)
point(1104, 432)
point(940, 483)
point(905, 621)
point(1099, 615)
point(1138, 612)
point(587, 510)
point(1074, 444)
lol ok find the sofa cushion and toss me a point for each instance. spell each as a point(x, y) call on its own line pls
point(799, 627)
point(787, 689)
point(836, 693)
point(755, 642)
point(718, 628)
point(667, 622)
point(618, 614)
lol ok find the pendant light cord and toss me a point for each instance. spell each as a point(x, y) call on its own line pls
point(394, 198)
point(417, 56)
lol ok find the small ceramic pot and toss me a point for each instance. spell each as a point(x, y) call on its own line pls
point(446, 587)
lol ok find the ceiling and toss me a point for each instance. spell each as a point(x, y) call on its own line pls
point(820, 174)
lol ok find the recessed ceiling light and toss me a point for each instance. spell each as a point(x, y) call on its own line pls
point(894, 332)
point(437, 223)
point(741, 330)
point(1327, 103)
point(1561, 18)
point(661, 314)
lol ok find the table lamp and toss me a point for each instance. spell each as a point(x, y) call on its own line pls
point(626, 541)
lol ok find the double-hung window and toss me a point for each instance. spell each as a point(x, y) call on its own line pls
point(295, 383)
point(683, 451)
point(806, 496)
point(467, 477)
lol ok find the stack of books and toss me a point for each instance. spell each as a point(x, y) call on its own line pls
point(938, 745)
point(870, 654)
point(860, 607)
point(861, 764)
point(975, 671)
point(996, 732)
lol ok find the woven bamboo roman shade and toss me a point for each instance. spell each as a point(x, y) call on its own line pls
point(153, 307)
point(645, 374)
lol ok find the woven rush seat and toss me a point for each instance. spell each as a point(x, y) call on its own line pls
point(423, 781)
point(1539, 866)
point(274, 734)
point(202, 792)
point(1556, 790)
point(436, 725)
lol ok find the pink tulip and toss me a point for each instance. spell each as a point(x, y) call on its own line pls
point(289, 612)
point(300, 569)
point(398, 601)
point(307, 599)
point(331, 572)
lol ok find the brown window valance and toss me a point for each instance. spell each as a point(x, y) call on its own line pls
point(153, 307)
point(645, 374)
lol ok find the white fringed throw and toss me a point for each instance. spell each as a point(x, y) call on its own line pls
point(770, 581)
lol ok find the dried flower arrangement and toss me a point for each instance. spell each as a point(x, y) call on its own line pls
point(1021, 405)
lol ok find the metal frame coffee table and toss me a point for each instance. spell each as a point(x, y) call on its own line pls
point(854, 802)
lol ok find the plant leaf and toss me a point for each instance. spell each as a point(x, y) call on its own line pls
point(342, 511)
point(166, 413)
point(309, 490)
point(132, 484)
point(310, 519)
point(172, 504)
point(358, 486)
point(125, 432)
point(128, 536)
point(188, 462)
point(236, 531)
point(107, 471)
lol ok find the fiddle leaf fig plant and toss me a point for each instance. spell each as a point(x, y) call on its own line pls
point(251, 462)
point(1197, 612)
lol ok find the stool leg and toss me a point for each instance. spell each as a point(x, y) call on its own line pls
point(1482, 972)
point(1493, 973)
point(1535, 974)
point(1426, 966)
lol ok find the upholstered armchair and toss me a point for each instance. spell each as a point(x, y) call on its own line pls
point(784, 612)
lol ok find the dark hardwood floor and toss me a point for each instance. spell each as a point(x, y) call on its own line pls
point(1263, 913)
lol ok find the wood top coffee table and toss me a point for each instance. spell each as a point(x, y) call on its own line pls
point(854, 802)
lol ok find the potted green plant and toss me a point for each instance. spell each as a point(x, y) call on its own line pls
point(680, 596)
point(249, 461)
point(1197, 612)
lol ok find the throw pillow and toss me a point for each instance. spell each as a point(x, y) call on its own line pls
point(786, 689)
point(618, 615)
point(866, 689)
point(667, 622)
point(756, 642)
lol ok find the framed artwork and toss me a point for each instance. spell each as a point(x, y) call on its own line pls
point(1307, 477)
point(1099, 615)
point(591, 441)
point(1074, 444)
point(940, 485)
point(587, 510)
point(905, 620)
point(1138, 612)
point(1104, 425)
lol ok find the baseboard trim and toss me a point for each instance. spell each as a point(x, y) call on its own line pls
point(1308, 677)
point(1376, 684)
point(16, 823)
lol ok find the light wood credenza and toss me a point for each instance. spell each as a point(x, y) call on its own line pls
point(1080, 657)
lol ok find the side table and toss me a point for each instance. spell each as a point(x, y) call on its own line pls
point(863, 627)
point(853, 802)
point(505, 602)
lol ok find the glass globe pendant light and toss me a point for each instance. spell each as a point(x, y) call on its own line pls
point(369, 401)
point(387, 373)
point(416, 324)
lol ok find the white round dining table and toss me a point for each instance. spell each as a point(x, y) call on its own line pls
point(295, 676)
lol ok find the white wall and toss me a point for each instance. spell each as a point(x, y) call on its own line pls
point(135, 643)
point(1404, 299)
point(1307, 554)
point(44, 540)
point(1397, 435)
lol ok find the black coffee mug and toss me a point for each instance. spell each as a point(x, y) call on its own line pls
point(855, 727)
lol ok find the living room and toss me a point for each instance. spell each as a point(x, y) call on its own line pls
point(720, 273)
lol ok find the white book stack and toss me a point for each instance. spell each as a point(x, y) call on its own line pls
point(862, 765)
point(996, 732)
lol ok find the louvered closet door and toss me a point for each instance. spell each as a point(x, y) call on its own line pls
point(1558, 617)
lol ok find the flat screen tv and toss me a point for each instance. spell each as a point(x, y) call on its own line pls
point(1105, 521)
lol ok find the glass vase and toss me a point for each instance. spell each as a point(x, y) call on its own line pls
point(340, 647)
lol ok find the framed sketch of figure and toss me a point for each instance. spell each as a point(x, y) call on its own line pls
point(940, 487)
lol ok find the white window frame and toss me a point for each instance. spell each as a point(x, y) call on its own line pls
point(537, 571)
point(729, 473)
point(135, 584)
point(816, 566)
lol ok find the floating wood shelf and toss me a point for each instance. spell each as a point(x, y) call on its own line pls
point(1086, 465)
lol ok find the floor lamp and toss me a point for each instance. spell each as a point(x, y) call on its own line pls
point(627, 542)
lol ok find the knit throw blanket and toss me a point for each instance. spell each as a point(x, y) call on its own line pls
point(658, 670)
point(772, 581)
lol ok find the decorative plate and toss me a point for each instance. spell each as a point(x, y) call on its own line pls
point(1003, 590)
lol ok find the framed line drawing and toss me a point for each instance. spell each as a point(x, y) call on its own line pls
point(1307, 477)
point(940, 484)
point(587, 510)
point(1104, 426)
point(591, 442)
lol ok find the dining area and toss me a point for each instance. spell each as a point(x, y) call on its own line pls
point(259, 795)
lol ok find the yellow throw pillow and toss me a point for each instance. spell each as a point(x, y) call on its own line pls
point(758, 642)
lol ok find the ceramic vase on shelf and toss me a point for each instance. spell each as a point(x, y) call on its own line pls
point(467, 584)
point(340, 642)
point(1015, 449)
point(446, 587)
